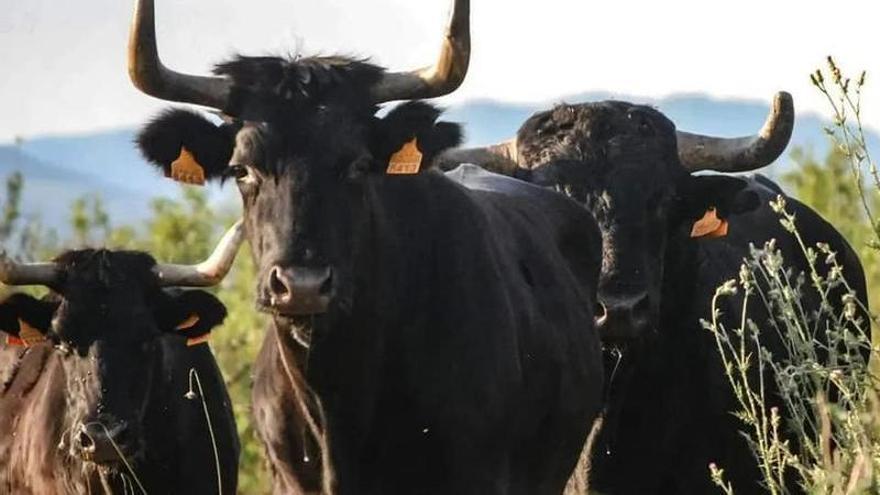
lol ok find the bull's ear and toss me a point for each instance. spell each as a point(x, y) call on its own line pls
point(192, 314)
point(709, 200)
point(408, 139)
point(187, 146)
point(25, 320)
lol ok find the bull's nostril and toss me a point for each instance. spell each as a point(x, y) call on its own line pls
point(600, 312)
point(86, 442)
point(277, 287)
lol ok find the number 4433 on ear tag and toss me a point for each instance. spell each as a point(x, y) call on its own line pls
point(407, 160)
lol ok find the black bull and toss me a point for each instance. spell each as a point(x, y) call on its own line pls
point(669, 414)
point(452, 347)
point(105, 396)
point(671, 402)
point(460, 357)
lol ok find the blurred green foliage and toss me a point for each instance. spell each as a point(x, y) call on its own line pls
point(827, 186)
point(177, 231)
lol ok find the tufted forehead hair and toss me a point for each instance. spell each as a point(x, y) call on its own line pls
point(106, 269)
point(267, 88)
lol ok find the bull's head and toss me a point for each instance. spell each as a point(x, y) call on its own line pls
point(104, 317)
point(301, 141)
point(629, 166)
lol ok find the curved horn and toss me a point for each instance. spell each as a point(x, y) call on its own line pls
point(12, 273)
point(442, 78)
point(209, 272)
point(698, 152)
point(150, 76)
point(500, 158)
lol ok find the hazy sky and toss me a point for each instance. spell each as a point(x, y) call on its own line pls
point(62, 64)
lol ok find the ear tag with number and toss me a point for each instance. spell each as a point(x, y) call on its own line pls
point(407, 160)
point(710, 226)
point(28, 335)
point(186, 169)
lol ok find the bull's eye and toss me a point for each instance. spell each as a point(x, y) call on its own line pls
point(238, 171)
point(243, 174)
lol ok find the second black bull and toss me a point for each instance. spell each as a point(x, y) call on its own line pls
point(669, 410)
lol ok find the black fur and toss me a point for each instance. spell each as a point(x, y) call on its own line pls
point(34, 312)
point(419, 272)
point(415, 119)
point(113, 356)
point(268, 88)
point(161, 140)
point(177, 308)
point(469, 311)
point(669, 406)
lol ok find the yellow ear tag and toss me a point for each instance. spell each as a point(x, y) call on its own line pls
point(186, 169)
point(709, 227)
point(189, 322)
point(407, 161)
point(28, 334)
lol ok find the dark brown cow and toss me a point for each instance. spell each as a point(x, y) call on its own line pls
point(100, 391)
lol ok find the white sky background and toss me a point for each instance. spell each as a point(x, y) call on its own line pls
point(62, 63)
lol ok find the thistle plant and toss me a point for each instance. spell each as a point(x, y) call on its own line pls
point(824, 435)
point(847, 131)
point(811, 413)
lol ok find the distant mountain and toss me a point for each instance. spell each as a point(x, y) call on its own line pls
point(57, 170)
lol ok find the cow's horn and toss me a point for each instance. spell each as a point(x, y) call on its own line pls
point(12, 273)
point(442, 78)
point(500, 158)
point(150, 76)
point(698, 152)
point(209, 272)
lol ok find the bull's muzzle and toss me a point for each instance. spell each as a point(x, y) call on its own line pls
point(103, 442)
point(623, 318)
point(299, 290)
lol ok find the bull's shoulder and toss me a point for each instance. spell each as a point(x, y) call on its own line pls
point(761, 182)
point(479, 179)
point(538, 218)
point(516, 194)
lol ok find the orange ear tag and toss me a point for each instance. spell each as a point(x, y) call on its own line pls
point(186, 169)
point(188, 323)
point(28, 334)
point(709, 227)
point(407, 161)
point(198, 340)
point(13, 341)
